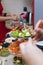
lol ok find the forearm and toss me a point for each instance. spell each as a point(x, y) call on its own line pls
point(2, 18)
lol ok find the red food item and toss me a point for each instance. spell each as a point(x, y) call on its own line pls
point(13, 29)
point(1, 44)
point(14, 47)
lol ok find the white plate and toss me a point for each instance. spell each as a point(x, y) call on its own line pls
point(40, 43)
point(10, 33)
point(9, 40)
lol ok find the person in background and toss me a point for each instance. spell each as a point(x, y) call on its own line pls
point(30, 52)
point(27, 14)
point(3, 29)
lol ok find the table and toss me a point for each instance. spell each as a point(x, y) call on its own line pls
point(7, 60)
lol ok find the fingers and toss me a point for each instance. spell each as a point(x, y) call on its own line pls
point(38, 34)
point(39, 24)
point(14, 17)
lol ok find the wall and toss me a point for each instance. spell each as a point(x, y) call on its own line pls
point(38, 7)
point(16, 6)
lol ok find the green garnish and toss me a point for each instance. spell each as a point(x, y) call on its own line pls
point(15, 33)
point(4, 52)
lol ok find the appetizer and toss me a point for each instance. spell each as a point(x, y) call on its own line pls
point(4, 52)
point(17, 60)
point(14, 46)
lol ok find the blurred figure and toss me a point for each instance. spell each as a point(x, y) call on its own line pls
point(3, 29)
point(27, 14)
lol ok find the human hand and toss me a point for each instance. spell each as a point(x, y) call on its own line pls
point(31, 54)
point(14, 17)
point(38, 30)
point(39, 24)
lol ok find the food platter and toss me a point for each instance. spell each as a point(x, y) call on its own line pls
point(14, 38)
point(14, 47)
point(19, 34)
point(4, 52)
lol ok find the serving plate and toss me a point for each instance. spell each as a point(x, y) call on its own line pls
point(40, 45)
point(14, 47)
point(10, 39)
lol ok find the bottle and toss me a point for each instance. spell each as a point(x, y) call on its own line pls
point(24, 21)
point(30, 20)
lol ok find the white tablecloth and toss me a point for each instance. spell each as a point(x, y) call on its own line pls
point(7, 60)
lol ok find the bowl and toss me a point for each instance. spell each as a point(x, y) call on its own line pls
point(40, 45)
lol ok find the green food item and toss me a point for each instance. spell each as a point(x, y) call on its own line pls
point(28, 34)
point(18, 60)
point(4, 52)
point(17, 63)
point(15, 33)
point(22, 34)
